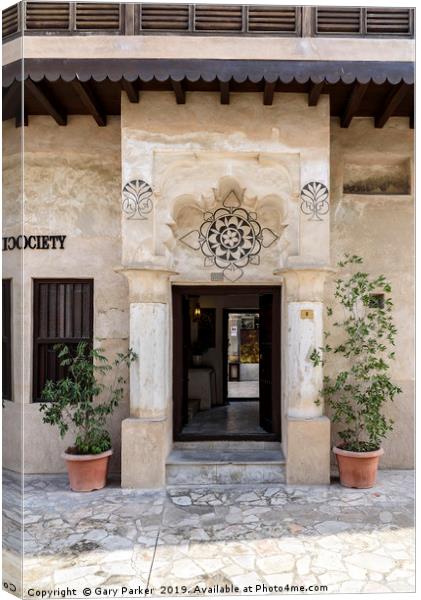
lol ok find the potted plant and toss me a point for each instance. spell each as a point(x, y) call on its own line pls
point(357, 393)
point(72, 403)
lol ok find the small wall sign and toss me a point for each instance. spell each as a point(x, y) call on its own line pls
point(33, 242)
point(307, 314)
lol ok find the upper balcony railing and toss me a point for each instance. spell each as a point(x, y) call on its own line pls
point(82, 18)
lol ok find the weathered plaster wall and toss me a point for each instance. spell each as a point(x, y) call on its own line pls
point(12, 266)
point(72, 187)
point(380, 228)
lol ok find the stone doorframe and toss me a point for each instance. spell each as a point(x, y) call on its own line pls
point(147, 433)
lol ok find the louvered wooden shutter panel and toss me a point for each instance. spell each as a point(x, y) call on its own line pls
point(47, 15)
point(164, 17)
point(10, 18)
point(388, 21)
point(63, 313)
point(338, 20)
point(282, 19)
point(218, 18)
point(97, 16)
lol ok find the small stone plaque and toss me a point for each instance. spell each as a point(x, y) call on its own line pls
point(307, 314)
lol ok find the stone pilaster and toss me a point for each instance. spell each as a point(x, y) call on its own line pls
point(145, 433)
point(307, 430)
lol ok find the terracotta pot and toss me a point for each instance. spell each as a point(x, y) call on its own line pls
point(87, 472)
point(357, 469)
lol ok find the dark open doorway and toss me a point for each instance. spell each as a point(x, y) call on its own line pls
point(207, 359)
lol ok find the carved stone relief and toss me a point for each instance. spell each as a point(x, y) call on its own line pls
point(230, 237)
point(137, 199)
point(314, 196)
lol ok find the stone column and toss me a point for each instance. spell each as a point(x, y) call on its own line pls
point(145, 435)
point(307, 430)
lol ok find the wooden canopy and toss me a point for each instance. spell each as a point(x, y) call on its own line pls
point(61, 87)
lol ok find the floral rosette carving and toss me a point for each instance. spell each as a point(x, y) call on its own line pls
point(230, 238)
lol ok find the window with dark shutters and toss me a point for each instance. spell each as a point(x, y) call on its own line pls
point(7, 339)
point(63, 314)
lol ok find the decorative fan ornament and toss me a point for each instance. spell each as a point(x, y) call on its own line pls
point(137, 199)
point(230, 238)
point(314, 196)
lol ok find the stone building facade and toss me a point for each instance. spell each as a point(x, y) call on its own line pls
point(142, 200)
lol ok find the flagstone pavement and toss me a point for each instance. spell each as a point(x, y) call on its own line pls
point(222, 537)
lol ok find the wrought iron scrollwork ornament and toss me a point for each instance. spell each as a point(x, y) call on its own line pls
point(137, 199)
point(230, 238)
point(314, 196)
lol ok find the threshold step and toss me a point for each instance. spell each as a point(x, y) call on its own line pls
point(213, 466)
point(212, 456)
point(227, 445)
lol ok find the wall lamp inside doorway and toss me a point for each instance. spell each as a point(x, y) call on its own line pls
point(197, 313)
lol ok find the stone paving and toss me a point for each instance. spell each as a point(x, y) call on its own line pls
point(223, 536)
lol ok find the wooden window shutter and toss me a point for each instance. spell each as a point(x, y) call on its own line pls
point(211, 18)
point(7, 339)
point(279, 19)
point(10, 20)
point(47, 15)
point(63, 313)
point(164, 17)
point(94, 16)
point(338, 20)
point(388, 21)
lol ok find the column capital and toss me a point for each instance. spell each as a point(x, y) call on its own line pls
point(304, 281)
point(148, 282)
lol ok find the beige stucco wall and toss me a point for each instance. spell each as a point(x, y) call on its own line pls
point(72, 178)
point(209, 47)
point(380, 229)
point(12, 266)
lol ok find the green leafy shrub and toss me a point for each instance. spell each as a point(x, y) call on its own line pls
point(357, 394)
point(72, 402)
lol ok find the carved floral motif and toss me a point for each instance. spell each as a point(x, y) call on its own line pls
point(137, 199)
point(314, 196)
point(230, 238)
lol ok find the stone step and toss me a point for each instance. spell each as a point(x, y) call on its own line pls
point(222, 445)
point(202, 466)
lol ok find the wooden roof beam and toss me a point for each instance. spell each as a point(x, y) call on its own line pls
point(395, 97)
point(40, 94)
point(224, 86)
point(180, 94)
point(268, 92)
point(353, 103)
point(314, 93)
point(131, 90)
point(89, 101)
